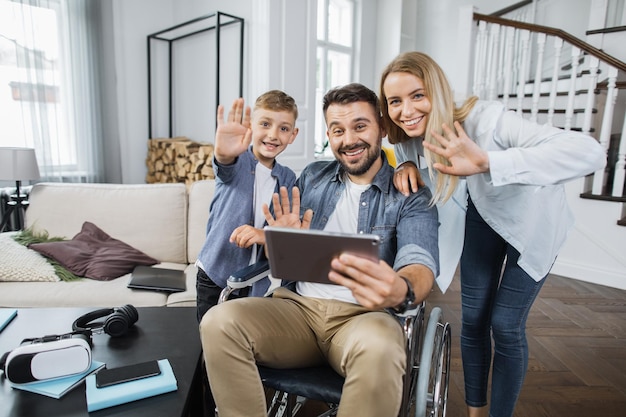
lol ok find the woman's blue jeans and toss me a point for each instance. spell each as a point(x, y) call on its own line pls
point(496, 297)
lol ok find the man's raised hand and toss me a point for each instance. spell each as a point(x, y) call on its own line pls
point(286, 214)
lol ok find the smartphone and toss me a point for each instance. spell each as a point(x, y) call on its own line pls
point(111, 376)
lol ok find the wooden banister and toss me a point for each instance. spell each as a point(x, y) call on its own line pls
point(606, 30)
point(584, 46)
point(563, 90)
point(620, 85)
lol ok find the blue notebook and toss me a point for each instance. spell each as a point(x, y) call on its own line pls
point(6, 315)
point(99, 398)
point(58, 387)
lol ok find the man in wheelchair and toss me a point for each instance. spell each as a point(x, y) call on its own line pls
point(344, 325)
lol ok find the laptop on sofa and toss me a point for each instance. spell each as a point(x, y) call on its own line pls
point(157, 279)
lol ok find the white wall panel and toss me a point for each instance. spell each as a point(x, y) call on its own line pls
point(292, 69)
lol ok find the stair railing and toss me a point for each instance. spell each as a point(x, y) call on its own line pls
point(552, 77)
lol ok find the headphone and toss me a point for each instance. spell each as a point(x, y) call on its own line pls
point(117, 321)
point(76, 334)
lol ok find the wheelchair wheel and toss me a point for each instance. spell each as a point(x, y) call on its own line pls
point(434, 368)
point(413, 329)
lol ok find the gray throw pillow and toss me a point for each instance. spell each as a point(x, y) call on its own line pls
point(94, 254)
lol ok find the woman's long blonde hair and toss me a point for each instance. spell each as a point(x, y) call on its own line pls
point(438, 90)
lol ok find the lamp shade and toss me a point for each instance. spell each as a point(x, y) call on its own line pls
point(18, 164)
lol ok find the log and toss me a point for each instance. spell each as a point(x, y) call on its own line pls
point(178, 159)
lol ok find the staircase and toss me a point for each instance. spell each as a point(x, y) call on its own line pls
point(552, 77)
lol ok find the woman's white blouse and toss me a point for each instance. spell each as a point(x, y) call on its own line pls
point(521, 197)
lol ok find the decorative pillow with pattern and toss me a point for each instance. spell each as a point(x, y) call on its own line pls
point(18, 263)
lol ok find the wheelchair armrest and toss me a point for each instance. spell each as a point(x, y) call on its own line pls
point(249, 275)
point(244, 277)
point(419, 308)
point(410, 312)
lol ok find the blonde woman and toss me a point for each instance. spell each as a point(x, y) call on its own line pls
point(497, 182)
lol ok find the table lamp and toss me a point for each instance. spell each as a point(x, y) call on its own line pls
point(17, 164)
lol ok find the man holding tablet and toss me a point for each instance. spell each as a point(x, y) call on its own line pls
point(344, 323)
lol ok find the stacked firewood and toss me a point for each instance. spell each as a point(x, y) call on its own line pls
point(178, 159)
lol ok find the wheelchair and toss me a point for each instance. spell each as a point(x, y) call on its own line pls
point(426, 379)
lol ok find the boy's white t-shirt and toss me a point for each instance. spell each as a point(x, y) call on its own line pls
point(345, 220)
point(264, 186)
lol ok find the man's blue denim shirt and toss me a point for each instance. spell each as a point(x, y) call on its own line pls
point(407, 226)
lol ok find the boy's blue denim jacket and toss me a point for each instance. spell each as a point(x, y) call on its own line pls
point(407, 226)
point(231, 207)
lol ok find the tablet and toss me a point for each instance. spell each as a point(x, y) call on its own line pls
point(305, 255)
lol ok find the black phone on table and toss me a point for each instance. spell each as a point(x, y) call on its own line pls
point(111, 376)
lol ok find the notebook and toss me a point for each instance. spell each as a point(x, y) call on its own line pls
point(157, 279)
point(58, 387)
point(99, 398)
point(305, 255)
point(6, 315)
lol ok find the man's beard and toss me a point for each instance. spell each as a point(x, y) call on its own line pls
point(362, 166)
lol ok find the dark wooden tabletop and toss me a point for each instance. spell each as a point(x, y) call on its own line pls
point(160, 333)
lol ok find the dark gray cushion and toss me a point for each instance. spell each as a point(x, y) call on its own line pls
point(94, 254)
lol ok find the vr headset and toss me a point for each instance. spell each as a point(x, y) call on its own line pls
point(48, 357)
point(57, 356)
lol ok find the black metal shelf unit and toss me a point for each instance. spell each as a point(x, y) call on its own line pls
point(215, 21)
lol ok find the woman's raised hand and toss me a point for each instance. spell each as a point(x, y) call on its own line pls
point(465, 156)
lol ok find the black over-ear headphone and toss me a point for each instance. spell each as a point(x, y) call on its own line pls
point(117, 321)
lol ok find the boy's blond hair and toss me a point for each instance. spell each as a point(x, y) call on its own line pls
point(276, 100)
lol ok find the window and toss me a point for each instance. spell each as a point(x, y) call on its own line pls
point(48, 88)
point(335, 58)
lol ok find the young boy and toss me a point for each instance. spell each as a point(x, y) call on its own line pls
point(246, 176)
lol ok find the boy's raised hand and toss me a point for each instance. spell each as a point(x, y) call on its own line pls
point(234, 135)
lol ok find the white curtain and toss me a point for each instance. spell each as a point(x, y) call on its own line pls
point(49, 85)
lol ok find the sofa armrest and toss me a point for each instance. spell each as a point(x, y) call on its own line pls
point(200, 197)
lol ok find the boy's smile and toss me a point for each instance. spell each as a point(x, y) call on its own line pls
point(272, 131)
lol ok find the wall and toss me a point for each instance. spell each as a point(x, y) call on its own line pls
point(126, 78)
point(389, 37)
point(283, 56)
point(277, 41)
point(594, 250)
point(440, 29)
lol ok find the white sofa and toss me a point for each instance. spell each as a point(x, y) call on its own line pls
point(165, 221)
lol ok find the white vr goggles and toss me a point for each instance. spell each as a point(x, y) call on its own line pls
point(48, 357)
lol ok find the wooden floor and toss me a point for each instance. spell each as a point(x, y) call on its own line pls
point(577, 341)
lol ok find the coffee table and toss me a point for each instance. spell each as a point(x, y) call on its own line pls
point(160, 332)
